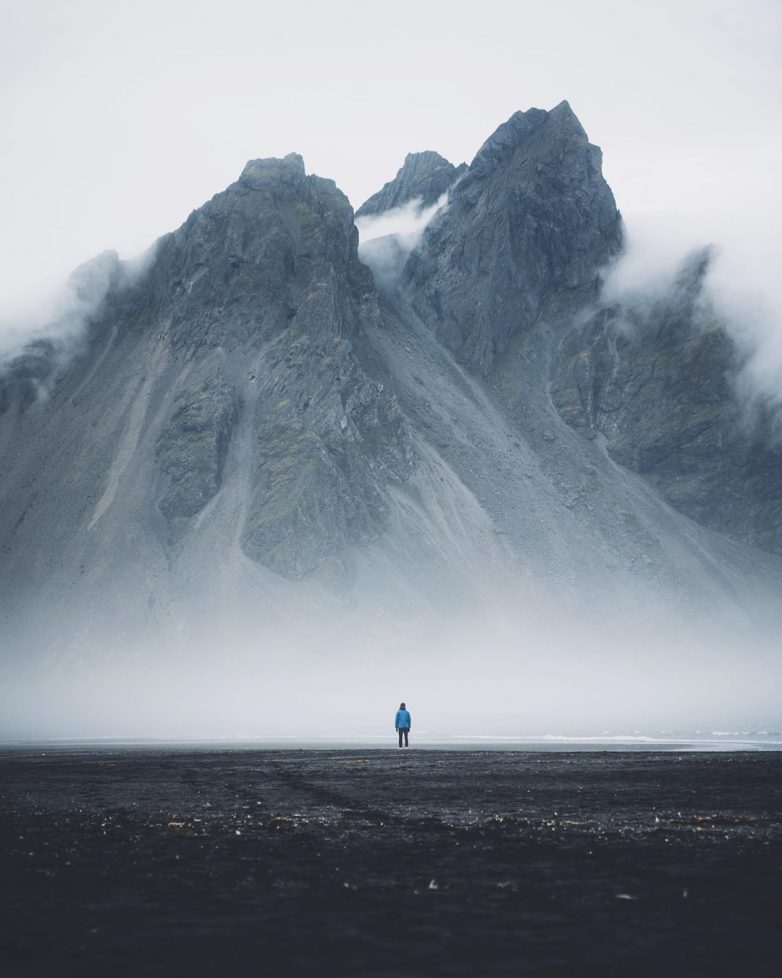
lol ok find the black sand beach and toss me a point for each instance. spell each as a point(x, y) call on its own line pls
point(387, 863)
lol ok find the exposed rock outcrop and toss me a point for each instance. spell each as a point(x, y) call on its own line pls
point(423, 177)
point(328, 441)
point(192, 447)
point(658, 378)
point(240, 332)
point(276, 250)
point(532, 218)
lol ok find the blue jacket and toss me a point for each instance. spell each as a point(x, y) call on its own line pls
point(403, 720)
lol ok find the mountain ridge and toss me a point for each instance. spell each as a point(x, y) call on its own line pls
point(257, 421)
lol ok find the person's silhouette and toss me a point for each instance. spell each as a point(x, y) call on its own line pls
point(402, 723)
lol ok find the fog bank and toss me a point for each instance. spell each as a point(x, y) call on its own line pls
point(497, 673)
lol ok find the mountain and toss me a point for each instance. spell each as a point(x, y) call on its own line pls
point(423, 178)
point(532, 222)
point(659, 381)
point(255, 428)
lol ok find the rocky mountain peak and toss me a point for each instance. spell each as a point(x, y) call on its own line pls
point(95, 276)
point(563, 115)
point(423, 176)
point(531, 219)
point(549, 129)
point(289, 169)
point(276, 248)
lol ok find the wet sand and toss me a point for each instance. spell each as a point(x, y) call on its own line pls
point(389, 863)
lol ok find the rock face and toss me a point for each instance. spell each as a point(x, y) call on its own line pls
point(658, 379)
point(328, 440)
point(192, 447)
point(532, 219)
point(271, 265)
point(423, 177)
point(254, 423)
point(233, 352)
point(275, 251)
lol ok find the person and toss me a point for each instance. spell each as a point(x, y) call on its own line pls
point(403, 723)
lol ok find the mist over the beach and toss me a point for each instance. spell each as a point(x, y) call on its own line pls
point(485, 675)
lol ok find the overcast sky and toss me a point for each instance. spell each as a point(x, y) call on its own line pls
point(117, 119)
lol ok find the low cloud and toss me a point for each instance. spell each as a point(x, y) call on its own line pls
point(53, 329)
point(740, 290)
point(386, 240)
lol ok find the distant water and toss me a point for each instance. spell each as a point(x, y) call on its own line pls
point(697, 741)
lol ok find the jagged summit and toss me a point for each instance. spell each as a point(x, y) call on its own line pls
point(531, 217)
point(276, 250)
point(423, 176)
point(273, 168)
point(560, 124)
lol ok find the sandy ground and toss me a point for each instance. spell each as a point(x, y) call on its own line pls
point(389, 863)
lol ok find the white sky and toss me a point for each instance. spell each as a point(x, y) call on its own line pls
point(117, 119)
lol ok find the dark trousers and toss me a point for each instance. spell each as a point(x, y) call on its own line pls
point(403, 731)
